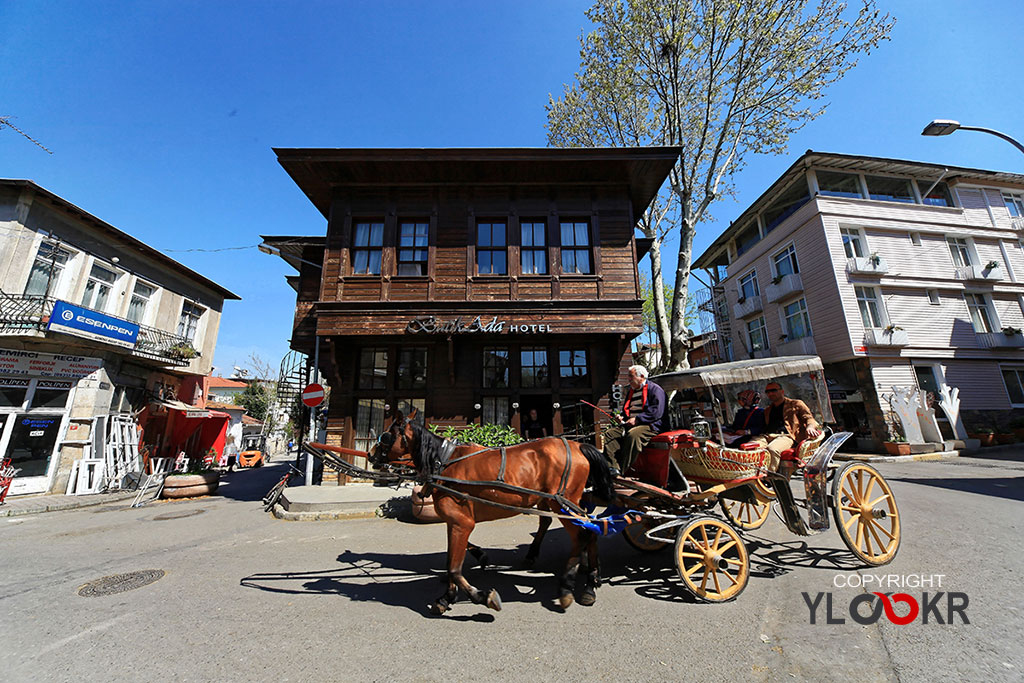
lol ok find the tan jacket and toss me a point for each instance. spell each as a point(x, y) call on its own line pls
point(796, 417)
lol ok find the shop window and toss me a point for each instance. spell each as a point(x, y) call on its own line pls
point(50, 394)
point(13, 391)
point(368, 423)
point(798, 323)
point(33, 438)
point(757, 334)
point(412, 248)
point(98, 287)
point(140, 301)
point(937, 196)
point(495, 367)
point(373, 368)
point(494, 410)
point(491, 254)
point(853, 243)
point(188, 324)
point(534, 367)
point(833, 184)
point(412, 367)
point(367, 243)
point(47, 269)
point(785, 262)
point(867, 301)
point(533, 253)
point(576, 248)
point(572, 368)
point(890, 189)
point(786, 205)
point(1013, 378)
point(981, 313)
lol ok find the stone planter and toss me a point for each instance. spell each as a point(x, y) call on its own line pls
point(984, 439)
point(190, 485)
point(897, 448)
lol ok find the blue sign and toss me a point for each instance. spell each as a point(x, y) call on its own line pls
point(83, 322)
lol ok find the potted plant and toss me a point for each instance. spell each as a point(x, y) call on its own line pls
point(182, 351)
point(1010, 331)
point(196, 480)
point(991, 265)
point(897, 446)
point(986, 436)
point(778, 278)
point(890, 329)
point(874, 259)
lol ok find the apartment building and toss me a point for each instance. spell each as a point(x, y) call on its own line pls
point(895, 273)
point(96, 326)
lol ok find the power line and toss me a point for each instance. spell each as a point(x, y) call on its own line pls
point(6, 121)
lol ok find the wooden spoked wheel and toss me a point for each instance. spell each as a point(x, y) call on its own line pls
point(636, 536)
point(712, 560)
point(865, 512)
point(763, 490)
point(746, 516)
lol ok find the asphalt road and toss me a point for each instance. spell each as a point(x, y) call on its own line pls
point(246, 597)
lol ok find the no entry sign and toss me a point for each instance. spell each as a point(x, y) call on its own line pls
point(313, 395)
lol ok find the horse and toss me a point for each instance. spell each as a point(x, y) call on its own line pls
point(549, 474)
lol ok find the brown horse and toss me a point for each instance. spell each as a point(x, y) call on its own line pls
point(548, 474)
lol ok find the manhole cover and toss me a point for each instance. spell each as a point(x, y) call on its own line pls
point(178, 515)
point(119, 583)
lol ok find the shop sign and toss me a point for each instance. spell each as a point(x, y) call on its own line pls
point(428, 324)
point(36, 364)
point(84, 322)
point(189, 414)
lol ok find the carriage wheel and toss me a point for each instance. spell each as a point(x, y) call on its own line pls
point(712, 560)
point(865, 512)
point(636, 535)
point(764, 490)
point(747, 516)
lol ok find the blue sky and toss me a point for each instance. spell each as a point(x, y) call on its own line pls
point(162, 115)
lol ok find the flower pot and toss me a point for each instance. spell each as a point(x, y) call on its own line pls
point(190, 485)
point(986, 439)
point(1005, 438)
point(897, 448)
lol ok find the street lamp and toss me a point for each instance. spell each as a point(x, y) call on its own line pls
point(945, 127)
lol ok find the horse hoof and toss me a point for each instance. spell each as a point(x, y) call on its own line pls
point(565, 601)
point(438, 609)
point(494, 600)
point(588, 598)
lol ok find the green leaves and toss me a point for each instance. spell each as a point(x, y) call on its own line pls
point(490, 435)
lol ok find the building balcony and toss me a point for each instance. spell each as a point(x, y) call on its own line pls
point(748, 306)
point(1000, 340)
point(980, 273)
point(867, 265)
point(887, 338)
point(1018, 223)
point(29, 315)
point(789, 284)
point(804, 346)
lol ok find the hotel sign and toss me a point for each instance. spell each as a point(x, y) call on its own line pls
point(428, 324)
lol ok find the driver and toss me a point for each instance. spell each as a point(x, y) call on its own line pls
point(644, 408)
point(787, 421)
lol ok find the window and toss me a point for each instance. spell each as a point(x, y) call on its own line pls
point(933, 297)
point(13, 391)
point(369, 422)
point(758, 335)
point(97, 288)
point(46, 269)
point(572, 368)
point(915, 239)
point(495, 367)
point(50, 394)
point(833, 184)
point(578, 422)
point(490, 249)
point(576, 248)
point(412, 248)
point(786, 205)
point(747, 238)
point(748, 286)
point(853, 243)
point(1014, 204)
point(937, 196)
point(366, 248)
point(140, 299)
point(890, 189)
point(785, 262)
point(1013, 378)
point(189, 322)
point(981, 316)
point(867, 302)
point(798, 324)
point(959, 250)
point(412, 367)
point(373, 368)
point(534, 367)
point(494, 410)
point(533, 253)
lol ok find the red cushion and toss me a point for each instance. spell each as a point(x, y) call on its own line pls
point(749, 446)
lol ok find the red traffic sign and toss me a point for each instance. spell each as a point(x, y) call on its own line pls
point(313, 395)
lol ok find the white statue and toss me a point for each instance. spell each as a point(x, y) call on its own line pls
point(904, 404)
point(926, 418)
point(950, 405)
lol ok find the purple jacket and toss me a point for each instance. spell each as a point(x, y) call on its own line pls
point(654, 411)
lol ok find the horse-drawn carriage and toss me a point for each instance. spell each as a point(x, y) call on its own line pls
point(667, 498)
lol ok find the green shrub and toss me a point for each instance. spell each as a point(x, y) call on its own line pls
point(492, 436)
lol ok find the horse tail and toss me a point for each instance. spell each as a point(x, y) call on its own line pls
point(600, 473)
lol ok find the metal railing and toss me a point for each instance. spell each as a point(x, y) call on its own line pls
point(20, 313)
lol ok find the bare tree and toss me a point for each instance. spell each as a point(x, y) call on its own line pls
point(718, 78)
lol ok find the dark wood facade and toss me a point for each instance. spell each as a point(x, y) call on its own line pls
point(472, 313)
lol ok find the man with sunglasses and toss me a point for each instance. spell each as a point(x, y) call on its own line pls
point(787, 421)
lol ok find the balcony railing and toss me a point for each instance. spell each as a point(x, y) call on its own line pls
point(1018, 223)
point(886, 337)
point(21, 313)
point(867, 265)
point(1000, 340)
point(788, 284)
point(804, 346)
point(976, 273)
point(748, 306)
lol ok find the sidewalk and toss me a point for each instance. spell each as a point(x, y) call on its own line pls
point(27, 505)
point(987, 451)
point(319, 503)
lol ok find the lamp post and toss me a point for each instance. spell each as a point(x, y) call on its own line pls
point(945, 127)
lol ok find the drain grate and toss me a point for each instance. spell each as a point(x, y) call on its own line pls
point(178, 515)
point(119, 583)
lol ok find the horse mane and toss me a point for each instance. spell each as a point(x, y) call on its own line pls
point(430, 447)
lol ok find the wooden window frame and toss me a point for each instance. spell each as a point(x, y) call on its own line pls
point(490, 248)
point(575, 248)
point(355, 249)
point(400, 248)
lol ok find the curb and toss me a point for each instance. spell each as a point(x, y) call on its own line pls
point(64, 505)
point(939, 455)
point(324, 515)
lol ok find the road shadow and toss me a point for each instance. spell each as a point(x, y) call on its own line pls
point(1011, 488)
point(250, 485)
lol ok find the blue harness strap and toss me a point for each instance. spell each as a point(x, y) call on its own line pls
point(611, 522)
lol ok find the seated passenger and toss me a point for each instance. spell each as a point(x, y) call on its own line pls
point(644, 408)
point(787, 421)
point(748, 421)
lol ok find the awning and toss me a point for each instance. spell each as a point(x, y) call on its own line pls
point(753, 370)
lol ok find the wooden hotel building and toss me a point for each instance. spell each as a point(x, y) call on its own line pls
point(472, 284)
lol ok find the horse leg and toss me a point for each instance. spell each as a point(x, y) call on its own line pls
point(567, 582)
point(593, 579)
point(538, 538)
point(460, 526)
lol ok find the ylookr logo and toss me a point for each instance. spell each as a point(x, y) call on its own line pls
point(930, 608)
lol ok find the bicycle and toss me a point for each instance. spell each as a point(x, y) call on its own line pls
point(275, 493)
